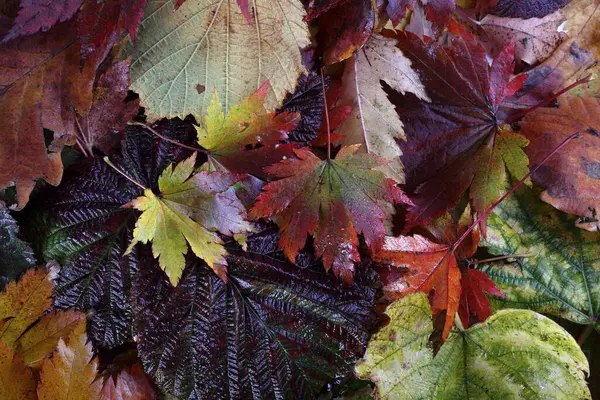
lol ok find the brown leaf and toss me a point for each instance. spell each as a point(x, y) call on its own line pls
point(16, 380)
point(131, 384)
point(71, 372)
point(23, 302)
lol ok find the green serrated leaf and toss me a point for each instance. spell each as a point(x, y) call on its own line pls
point(560, 274)
point(515, 354)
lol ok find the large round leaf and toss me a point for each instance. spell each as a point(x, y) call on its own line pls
point(515, 354)
point(274, 331)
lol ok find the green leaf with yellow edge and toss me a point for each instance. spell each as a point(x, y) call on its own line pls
point(41, 340)
point(515, 354)
point(23, 302)
point(16, 380)
point(190, 208)
point(247, 124)
point(71, 372)
point(181, 56)
point(560, 273)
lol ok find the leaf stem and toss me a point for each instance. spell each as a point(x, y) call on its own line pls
point(360, 110)
point(458, 323)
point(487, 260)
point(326, 115)
point(585, 334)
point(130, 179)
point(167, 139)
point(491, 208)
point(550, 99)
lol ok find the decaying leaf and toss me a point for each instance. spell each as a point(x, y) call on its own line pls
point(71, 372)
point(514, 354)
point(210, 45)
point(572, 177)
point(373, 121)
point(332, 200)
point(273, 331)
point(246, 124)
point(189, 208)
point(523, 8)
point(130, 384)
point(560, 274)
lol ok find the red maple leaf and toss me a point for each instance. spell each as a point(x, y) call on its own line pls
point(473, 299)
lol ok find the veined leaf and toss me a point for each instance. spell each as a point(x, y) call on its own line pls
point(560, 274)
point(514, 354)
point(16, 380)
point(182, 56)
point(189, 209)
point(274, 331)
point(15, 255)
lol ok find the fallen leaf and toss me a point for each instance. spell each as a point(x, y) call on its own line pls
point(458, 141)
point(514, 354)
point(16, 256)
point(535, 38)
point(571, 177)
point(333, 200)
point(41, 15)
point(189, 209)
point(109, 113)
point(17, 380)
point(473, 299)
point(246, 124)
point(171, 55)
point(131, 384)
point(337, 113)
point(373, 122)
point(70, 374)
point(23, 302)
point(437, 11)
point(522, 8)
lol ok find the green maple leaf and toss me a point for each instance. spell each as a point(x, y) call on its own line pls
point(190, 208)
point(515, 354)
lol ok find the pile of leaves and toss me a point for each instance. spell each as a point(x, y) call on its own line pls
point(286, 199)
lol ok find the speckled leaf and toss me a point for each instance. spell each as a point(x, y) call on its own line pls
point(15, 255)
point(560, 275)
point(275, 331)
point(181, 56)
point(514, 354)
point(82, 225)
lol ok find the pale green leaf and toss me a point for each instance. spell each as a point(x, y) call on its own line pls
point(560, 273)
point(515, 354)
point(181, 56)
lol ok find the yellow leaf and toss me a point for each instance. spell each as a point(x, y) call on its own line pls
point(71, 373)
point(16, 380)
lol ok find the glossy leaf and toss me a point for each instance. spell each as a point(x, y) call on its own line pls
point(572, 177)
point(514, 354)
point(41, 15)
point(457, 141)
point(274, 331)
point(175, 64)
point(373, 122)
point(246, 124)
point(13, 370)
point(82, 225)
point(560, 274)
point(189, 208)
point(333, 200)
point(307, 100)
point(15, 255)
point(71, 372)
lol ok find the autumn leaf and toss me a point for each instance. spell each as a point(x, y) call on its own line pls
point(71, 372)
point(41, 15)
point(23, 302)
point(170, 67)
point(373, 122)
point(572, 177)
point(13, 370)
point(289, 330)
point(458, 141)
point(337, 113)
point(189, 209)
point(109, 113)
point(246, 124)
point(130, 384)
point(473, 299)
point(333, 200)
point(102, 22)
point(514, 354)
point(522, 8)
point(16, 256)
point(437, 11)
point(43, 86)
